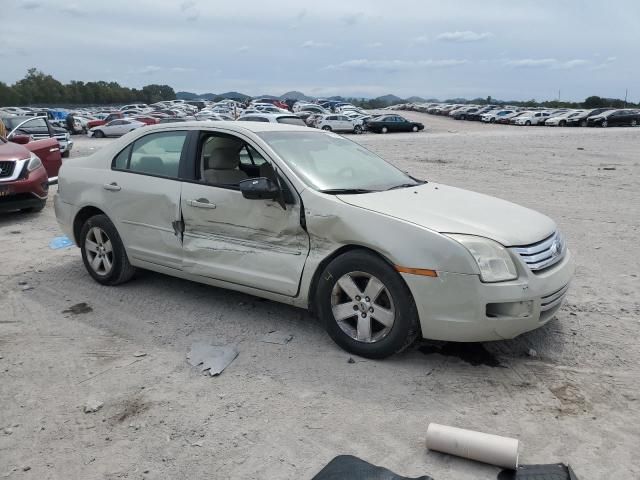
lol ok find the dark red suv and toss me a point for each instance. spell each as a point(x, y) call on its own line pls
point(27, 167)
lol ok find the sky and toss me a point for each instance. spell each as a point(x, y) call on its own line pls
point(508, 49)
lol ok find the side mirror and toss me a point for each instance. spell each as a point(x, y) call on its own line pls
point(259, 189)
point(20, 139)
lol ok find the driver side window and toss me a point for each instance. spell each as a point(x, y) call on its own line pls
point(225, 161)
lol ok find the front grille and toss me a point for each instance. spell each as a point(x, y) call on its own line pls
point(553, 299)
point(6, 169)
point(541, 255)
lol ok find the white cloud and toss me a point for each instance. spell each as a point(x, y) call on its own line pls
point(394, 65)
point(374, 45)
point(462, 37)
point(421, 40)
point(314, 44)
point(547, 63)
point(351, 18)
point(243, 49)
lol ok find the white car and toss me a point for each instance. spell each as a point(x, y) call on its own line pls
point(314, 220)
point(492, 116)
point(561, 120)
point(339, 123)
point(115, 128)
point(288, 119)
point(531, 118)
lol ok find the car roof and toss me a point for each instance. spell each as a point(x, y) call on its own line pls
point(238, 126)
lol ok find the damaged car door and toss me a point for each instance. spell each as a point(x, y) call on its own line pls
point(143, 192)
point(259, 243)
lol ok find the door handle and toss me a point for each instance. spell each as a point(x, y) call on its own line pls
point(112, 187)
point(201, 203)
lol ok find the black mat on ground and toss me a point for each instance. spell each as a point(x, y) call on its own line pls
point(556, 471)
point(347, 467)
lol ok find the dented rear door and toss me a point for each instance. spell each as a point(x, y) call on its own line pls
point(255, 243)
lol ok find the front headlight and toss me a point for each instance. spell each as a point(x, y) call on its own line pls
point(493, 259)
point(33, 163)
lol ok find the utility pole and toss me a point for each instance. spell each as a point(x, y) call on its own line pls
point(558, 95)
point(626, 92)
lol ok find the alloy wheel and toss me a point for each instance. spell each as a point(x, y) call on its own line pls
point(363, 307)
point(99, 251)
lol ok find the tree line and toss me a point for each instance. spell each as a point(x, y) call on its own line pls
point(38, 88)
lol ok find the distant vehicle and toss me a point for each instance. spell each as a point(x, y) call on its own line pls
point(464, 113)
point(476, 115)
point(134, 106)
point(288, 119)
point(24, 181)
point(273, 101)
point(115, 128)
point(581, 120)
point(110, 117)
point(561, 120)
point(491, 117)
point(615, 118)
point(506, 119)
point(531, 118)
point(393, 123)
point(39, 128)
point(338, 123)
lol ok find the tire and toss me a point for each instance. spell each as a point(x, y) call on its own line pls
point(357, 129)
point(109, 250)
point(583, 123)
point(528, 123)
point(326, 128)
point(604, 124)
point(66, 154)
point(98, 134)
point(493, 120)
point(463, 117)
point(634, 123)
point(415, 128)
point(384, 130)
point(37, 208)
point(562, 123)
point(394, 303)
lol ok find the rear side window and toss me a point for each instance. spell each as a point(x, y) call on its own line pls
point(155, 154)
point(292, 121)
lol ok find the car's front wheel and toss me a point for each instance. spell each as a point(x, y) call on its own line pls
point(415, 128)
point(326, 128)
point(604, 124)
point(357, 129)
point(103, 253)
point(365, 305)
point(98, 134)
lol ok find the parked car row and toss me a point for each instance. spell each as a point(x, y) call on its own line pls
point(512, 115)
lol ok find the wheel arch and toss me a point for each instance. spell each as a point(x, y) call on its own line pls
point(328, 259)
point(84, 214)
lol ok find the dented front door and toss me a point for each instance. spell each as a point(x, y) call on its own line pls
point(255, 243)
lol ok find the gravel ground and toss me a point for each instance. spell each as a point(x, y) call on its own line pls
point(568, 391)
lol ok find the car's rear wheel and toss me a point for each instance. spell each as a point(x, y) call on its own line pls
point(365, 305)
point(634, 123)
point(327, 128)
point(98, 134)
point(357, 129)
point(528, 123)
point(384, 130)
point(66, 154)
point(563, 123)
point(103, 253)
point(604, 124)
point(583, 123)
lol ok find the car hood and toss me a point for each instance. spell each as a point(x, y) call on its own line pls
point(13, 151)
point(448, 209)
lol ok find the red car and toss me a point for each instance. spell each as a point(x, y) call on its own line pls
point(107, 119)
point(27, 168)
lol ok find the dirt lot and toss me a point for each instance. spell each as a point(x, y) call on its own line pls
point(569, 391)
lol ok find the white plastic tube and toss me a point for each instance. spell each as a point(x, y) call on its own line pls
point(483, 447)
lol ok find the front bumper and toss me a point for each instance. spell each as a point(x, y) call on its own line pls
point(24, 193)
point(461, 308)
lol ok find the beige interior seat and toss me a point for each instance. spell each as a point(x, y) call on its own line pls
point(221, 159)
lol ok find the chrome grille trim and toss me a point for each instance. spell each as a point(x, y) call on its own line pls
point(543, 254)
point(553, 299)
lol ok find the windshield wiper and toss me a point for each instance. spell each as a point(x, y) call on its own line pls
point(407, 185)
point(347, 191)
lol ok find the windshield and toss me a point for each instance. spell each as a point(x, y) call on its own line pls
point(327, 161)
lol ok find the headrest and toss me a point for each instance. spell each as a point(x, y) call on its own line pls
point(224, 159)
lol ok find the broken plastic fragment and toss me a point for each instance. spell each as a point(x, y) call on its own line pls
point(60, 242)
point(211, 357)
point(278, 338)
